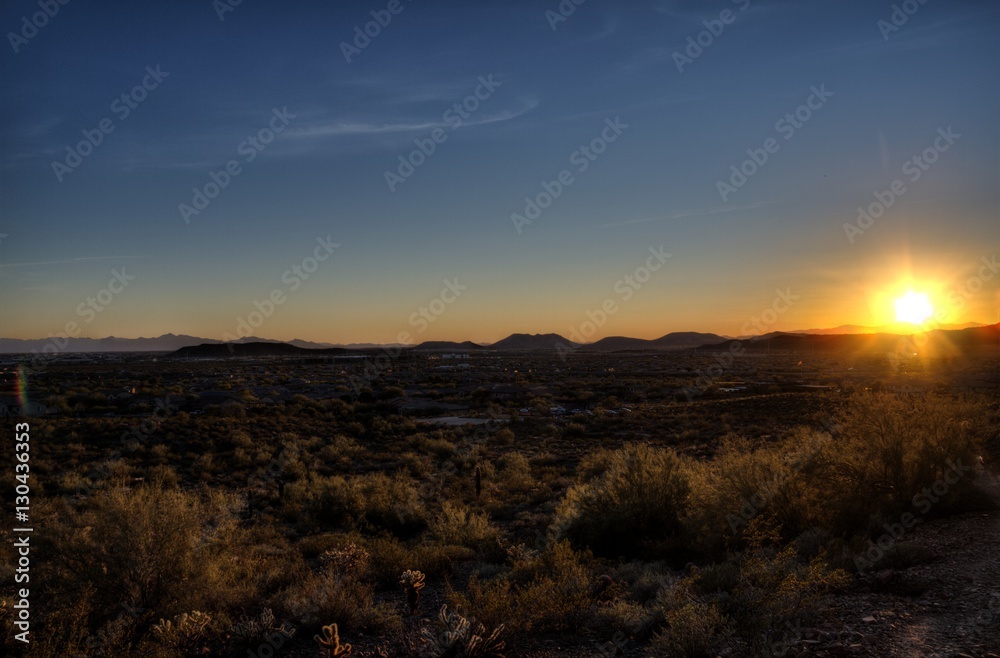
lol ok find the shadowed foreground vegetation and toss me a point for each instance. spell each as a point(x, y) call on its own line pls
point(219, 537)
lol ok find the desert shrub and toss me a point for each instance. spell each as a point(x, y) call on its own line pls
point(549, 591)
point(693, 629)
point(388, 557)
point(503, 437)
point(634, 504)
point(643, 580)
point(515, 473)
point(457, 525)
point(390, 503)
point(321, 597)
point(370, 502)
point(324, 502)
point(768, 588)
point(743, 482)
point(887, 450)
point(155, 549)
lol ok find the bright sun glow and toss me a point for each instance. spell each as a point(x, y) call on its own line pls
point(914, 308)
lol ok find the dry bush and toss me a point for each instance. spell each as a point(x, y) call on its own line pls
point(743, 482)
point(635, 504)
point(152, 548)
point(457, 525)
point(551, 591)
point(887, 450)
point(768, 588)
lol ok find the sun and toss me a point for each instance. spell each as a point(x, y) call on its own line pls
point(914, 308)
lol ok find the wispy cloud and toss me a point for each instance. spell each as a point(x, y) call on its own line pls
point(338, 128)
point(68, 261)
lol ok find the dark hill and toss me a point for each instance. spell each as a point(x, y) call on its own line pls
point(447, 346)
point(675, 340)
point(533, 342)
point(687, 339)
point(236, 350)
point(939, 341)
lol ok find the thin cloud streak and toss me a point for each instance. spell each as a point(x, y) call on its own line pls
point(338, 129)
point(85, 259)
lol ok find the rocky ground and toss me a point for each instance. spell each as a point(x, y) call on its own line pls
point(948, 606)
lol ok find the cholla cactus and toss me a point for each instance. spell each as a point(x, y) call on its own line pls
point(254, 630)
point(412, 582)
point(456, 637)
point(184, 632)
point(331, 642)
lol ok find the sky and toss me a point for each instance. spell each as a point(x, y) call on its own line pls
point(468, 170)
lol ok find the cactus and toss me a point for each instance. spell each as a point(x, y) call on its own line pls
point(457, 637)
point(184, 633)
point(479, 481)
point(331, 642)
point(412, 582)
point(254, 630)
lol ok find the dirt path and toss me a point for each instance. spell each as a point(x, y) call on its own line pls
point(958, 615)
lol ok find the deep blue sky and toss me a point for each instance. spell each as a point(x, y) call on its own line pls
point(655, 185)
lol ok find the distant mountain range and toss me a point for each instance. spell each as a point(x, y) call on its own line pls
point(262, 349)
point(845, 336)
point(164, 343)
point(675, 340)
point(940, 341)
point(896, 328)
